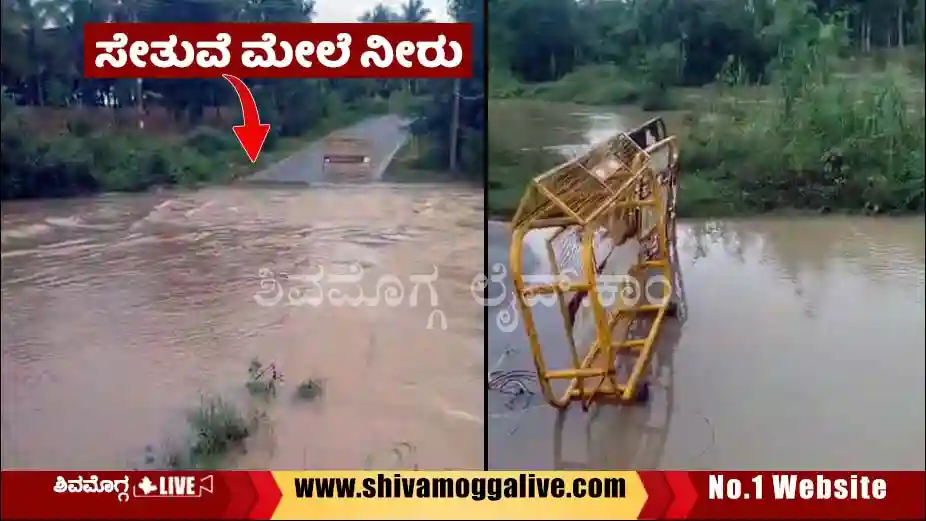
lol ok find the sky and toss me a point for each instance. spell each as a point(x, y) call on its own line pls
point(350, 10)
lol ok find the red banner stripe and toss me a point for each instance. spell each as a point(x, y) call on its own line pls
point(217, 495)
point(268, 495)
point(761, 495)
point(165, 495)
point(684, 495)
point(242, 495)
point(658, 494)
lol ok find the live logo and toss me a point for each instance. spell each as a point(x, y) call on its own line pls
point(174, 486)
point(177, 486)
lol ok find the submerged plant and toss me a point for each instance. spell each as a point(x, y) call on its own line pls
point(311, 389)
point(263, 380)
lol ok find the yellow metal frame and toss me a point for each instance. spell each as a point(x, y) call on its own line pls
point(613, 187)
point(641, 439)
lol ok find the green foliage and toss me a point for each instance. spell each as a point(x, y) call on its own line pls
point(217, 429)
point(217, 426)
point(310, 390)
point(74, 163)
point(592, 85)
point(263, 381)
point(434, 120)
point(92, 159)
point(41, 65)
point(208, 141)
point(821, 138)
point(822, 145)
point(649, 45)
point(509, 172)
point(410, 11)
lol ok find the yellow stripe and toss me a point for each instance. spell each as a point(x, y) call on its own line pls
point(494, 488)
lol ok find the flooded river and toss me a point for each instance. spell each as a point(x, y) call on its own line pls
point(120, 311)
point(801, 346)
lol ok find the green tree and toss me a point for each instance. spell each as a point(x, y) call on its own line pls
point(414, 11)
point(41, 67)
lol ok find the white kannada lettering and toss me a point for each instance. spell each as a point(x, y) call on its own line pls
point(440, 59)
point(324, 50)
point(287, 54)
point(403, 51)
point(381, 53)
point(303, 51)
point(207, 58)
point(137, 52)
point(167, 58)
point(93, 484)
point(372, 58)
point(249, 57)
point(115, 46)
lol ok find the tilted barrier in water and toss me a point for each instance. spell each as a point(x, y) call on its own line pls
point(621, 193)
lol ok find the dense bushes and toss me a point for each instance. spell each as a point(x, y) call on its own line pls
point(823, 143)
point(84, 160)
point(815, 138)
point(819, 133)
point(809, 143)
point(591, 85)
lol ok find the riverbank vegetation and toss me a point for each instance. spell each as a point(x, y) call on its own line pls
point(63, 134)
point(444, 147)
point(218, 429)
point(791, 104)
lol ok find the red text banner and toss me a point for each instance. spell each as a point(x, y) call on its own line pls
point(784, 495)
point(291, 50)
point(138, 495)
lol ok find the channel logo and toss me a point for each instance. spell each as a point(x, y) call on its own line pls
point(173, 486)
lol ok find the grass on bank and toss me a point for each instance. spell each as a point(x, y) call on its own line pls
point(817, 139)
point(827, 146)
point(86, 160)
point(415, 163)
point(422, 160)
point(218, 428)
point(590, 85)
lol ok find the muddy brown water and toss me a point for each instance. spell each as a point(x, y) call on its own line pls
point(801, 345)
point(119, 312)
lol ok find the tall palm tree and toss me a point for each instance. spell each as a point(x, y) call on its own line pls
point(379, 14)
point(414, 11)
point(279, 10)
point(29, 20)
point(13, 35)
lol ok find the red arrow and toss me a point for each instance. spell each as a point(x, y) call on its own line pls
point(253, 133)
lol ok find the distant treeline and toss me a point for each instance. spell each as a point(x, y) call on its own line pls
point(48, 103)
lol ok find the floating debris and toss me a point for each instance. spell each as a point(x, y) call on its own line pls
point(513, 382)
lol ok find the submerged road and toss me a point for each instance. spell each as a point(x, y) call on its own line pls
point(386, 133)
point(148, 302)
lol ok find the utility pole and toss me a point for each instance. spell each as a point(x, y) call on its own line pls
point(139, 87)
point(455, 125)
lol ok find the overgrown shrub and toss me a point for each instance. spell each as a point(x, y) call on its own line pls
point(824, 143)
point(88, 160)
point(211, 141)
point(82, 161)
